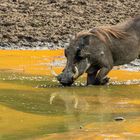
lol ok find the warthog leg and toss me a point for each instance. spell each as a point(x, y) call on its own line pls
point(91, 79)
point(101, 78)
point(91, 76)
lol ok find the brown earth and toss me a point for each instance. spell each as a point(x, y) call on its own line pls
point(30, 23)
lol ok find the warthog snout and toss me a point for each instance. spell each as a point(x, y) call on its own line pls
point(67, 78)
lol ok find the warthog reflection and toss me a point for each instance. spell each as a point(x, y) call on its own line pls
point(71, 100)
point(75, 107)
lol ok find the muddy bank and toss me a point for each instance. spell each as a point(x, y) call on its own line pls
point(50, 23)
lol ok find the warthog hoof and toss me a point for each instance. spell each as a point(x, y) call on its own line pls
point(102, 82)
point(105, 80)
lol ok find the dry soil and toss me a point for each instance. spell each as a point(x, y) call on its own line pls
point(50, 23)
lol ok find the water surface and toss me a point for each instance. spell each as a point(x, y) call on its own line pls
point(30, 111)
point(33, 106)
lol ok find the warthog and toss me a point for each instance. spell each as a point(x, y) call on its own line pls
point(96, 52)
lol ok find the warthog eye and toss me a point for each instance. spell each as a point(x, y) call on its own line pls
point(78, 58)
point(78, 55)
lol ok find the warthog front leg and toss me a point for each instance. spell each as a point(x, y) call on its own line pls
point(91, 78)
point(101, 78)
point(91, 75)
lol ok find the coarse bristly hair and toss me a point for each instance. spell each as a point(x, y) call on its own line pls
point(104, 33)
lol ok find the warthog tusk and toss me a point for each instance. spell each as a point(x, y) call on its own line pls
point(76, 72)
point(53, 72)
point(88, 65)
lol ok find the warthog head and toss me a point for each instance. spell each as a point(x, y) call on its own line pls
point(77, 60)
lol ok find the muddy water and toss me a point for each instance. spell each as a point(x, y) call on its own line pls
point(35, 113)
point(33, 106)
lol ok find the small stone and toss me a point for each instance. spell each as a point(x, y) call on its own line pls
point(82, 84)
point(119, 119)
point(52, 1)
point(15, 0)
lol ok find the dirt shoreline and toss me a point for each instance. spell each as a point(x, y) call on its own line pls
point(48, 24)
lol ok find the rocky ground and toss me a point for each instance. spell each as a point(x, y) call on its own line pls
point(50, 23)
